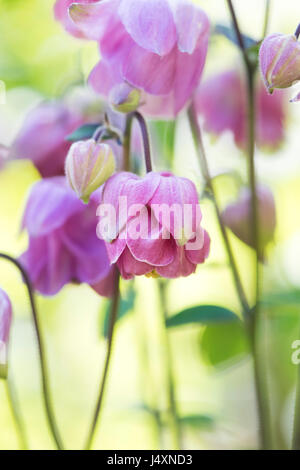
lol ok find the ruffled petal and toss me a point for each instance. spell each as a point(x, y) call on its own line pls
point(49, 205)
point(180, 267)
point(130, 267)
point(92, 19)
point(200, 255)
point(150, 23)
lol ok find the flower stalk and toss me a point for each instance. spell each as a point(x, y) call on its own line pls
point(112, 322)
point(42, 355)
point(16, 413)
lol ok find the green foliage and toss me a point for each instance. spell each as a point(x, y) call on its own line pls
point(83, 132)
point(202, 314)
point(197, 421)
point(221, 344)
point(230, 34)
point(165, 132)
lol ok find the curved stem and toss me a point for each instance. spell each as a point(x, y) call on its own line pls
point(173, 412)
point(16, 413)
point(267, 18)
point(41, 349)
point(197, 136)
point(297, 32)
point(263, 406)
point(146, 140)
point(113, 317)
point(127, 142)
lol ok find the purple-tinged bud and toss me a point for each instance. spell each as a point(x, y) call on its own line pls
point(124, 98)
point(279, 59)
point(88, 165)
point(5, 323)
point(237, 216)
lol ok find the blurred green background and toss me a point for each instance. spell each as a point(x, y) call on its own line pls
point(37, 60)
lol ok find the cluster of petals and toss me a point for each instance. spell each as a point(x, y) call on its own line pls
point(157, 46)
point(63, 245)
point(279, 58)
point(165, 245)
point(222, 101)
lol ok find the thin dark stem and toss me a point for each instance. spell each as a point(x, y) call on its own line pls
point(127, 141)
point(297, 32)
point(197, 136)
point(112, 321)
point(16, 413)
point(267, 18)
point(263, 406)
point(173, 412)
point(238, 32)
point(41, 349)
point(146, 140)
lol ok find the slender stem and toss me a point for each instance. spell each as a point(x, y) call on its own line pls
point(238, 32)
point(297, 32)
point(263, 406)
point(296, 431)
point(127, 141)
point(173, 412)
point(267, 18)
point(146, 140)
point(16, 413)
point(42, 357)
point(197, 136)
point(112, 321)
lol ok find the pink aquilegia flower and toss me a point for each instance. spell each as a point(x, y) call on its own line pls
point(237, 216)
point(88, 165)
point(222, 101)
point(157, 46)
point(279, 59)
point(5, 324)
point(63, 245)
point(158, 233)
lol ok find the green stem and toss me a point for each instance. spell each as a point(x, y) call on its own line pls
point(42, 355)
point(267, 18)
point(127, 142)
point(146, 140)
point(16, 413)
point(263, 405)
point(173, 412)
point(197, 136)
point(113, 317)
point(296, 430)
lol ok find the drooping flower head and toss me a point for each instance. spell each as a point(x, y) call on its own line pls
point(5, 324)
point(88, 165)
point(42, 137)
point(152, 225)
point(63, 245)
point(222, 101)
point(237, 216)
point(279, 59)
point(157, 46)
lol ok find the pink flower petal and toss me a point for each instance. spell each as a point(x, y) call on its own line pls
point(180, 267)
point(150, 23)
point(130, 267)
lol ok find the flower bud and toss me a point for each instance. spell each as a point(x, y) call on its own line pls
point(5, 323)
point(237, 216)
point(88, 165)
point(279, 58)
point(124, 98)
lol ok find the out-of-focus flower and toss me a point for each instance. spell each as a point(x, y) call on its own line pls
point(237, 216)
point(124, 98)
point(61, 13)
point(63, 245)
point(279, 59)
point(42, 137)
point(88, 166)
point(5, 323)
point(159, 232)
point(157, 46)
point(222, 100)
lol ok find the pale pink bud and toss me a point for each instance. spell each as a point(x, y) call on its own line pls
point(5, 323)
point(237, 216)
point(279, 58)
point(124, 98)
point(88, 165)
